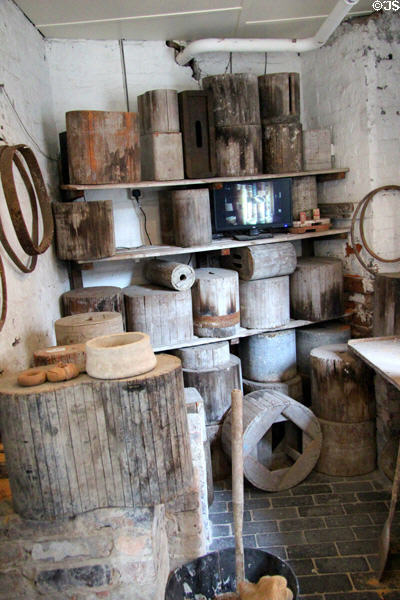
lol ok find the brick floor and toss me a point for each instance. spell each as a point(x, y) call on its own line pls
point(326, 528)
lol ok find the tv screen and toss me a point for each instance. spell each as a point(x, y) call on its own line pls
point(251, 205)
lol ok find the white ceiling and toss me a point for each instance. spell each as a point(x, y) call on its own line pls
point(180, 19)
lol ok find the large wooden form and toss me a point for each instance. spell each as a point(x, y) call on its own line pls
point(264, 302)
point(79, 328)
point(279, 97)
point(239, 150)
point(386, 304)
point(84, 444)
point(158, 112)
point(291, 387)
point(282, 147)
point(191, 217)
point(206, 356)
point(324, 334)
point(260, 262)
point(92, 299)
point(215, 296)
point(235, 97)
point(269, 356)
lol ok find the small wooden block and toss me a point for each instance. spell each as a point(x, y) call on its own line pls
point(162, 156)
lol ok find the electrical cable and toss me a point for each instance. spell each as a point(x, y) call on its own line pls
point(361, 208)
point(124, 77)
point(145, 223)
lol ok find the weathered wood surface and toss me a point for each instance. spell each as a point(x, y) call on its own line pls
point(337, 210)
point(239, 150)
point(261, 262)
point(264, 302)
point(158, 112)
point(282, 146)
point(103, 147)
point(173, 275)
point(84, 444)
point(304, 196)
point(207, 356)
point(92, 299)
point(198, 133)
point(316, 289)
point(166, 218)
point(291, 387)
point(386, 320)
point(162, 156)
point(341, 385)
point(84, 230)
point(191, 217)
point(214, 386)
point(221, 467)
point(269, 357)
point(348, 449)
point(79, 328)
point(279, 97)
point(215, 296)
point(314, 336)
point(235, 98)
point(260, 411)
point(70, 353)
point(165, 315)
point(317, 149)
point(387, 415)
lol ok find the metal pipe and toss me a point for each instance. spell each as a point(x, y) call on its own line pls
point(332, 21)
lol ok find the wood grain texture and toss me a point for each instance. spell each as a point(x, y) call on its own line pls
point(239, 150)
point(84, 230)
point(165, 315)
point(206, 356)
point(317, 149)
point(191, 217)
point(79, 328)
point(304, 196)
point(215, 296)
point(235, 98)
point(291, 387)
point(158, 112)
point(162, 156)
point(282, 145)
point(261, 262)
point(264, 302)
point(279, 97)
point(70, 353)
point(92, 299)
point(386, 319)
point(87, 444)
point(387, 415)
point(341, 385)
point(103, 147)
point(269, 357)
point(173, 275)
point(316, 289)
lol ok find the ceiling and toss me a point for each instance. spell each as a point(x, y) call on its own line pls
point(180, 19)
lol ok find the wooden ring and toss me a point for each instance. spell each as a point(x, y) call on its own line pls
point(32, 377)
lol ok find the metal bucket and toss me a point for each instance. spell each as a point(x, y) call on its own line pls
point(214, 573)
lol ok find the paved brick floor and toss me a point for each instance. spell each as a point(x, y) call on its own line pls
point(327, 528)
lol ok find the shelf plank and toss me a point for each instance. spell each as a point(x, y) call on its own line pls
point(326, 173)
point(153, 251)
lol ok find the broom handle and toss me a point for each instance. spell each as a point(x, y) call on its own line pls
point(237, 480)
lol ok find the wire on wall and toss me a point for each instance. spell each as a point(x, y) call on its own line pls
point(124, 77)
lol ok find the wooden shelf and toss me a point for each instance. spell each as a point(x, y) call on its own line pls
point(153, 251)
point(325, 175)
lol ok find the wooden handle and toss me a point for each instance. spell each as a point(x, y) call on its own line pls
point(237, 480)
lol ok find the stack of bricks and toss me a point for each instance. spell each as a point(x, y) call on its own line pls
point(358, 294)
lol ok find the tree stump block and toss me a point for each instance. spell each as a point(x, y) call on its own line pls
point(308, 338)
point(262, 262)
point(173, 275)
point(158, 112)
point(80, 328)
point(264, 302)
point(304, 196)
point(269, 357)
point(282, 147)
point(162, 156)
point(84, 444)
point(206, 356)
point(72, 353)
point(239, 150)
point(235, 99)
point(279, 97)
point(92, 299)
point(191, 217)
point(260, 411)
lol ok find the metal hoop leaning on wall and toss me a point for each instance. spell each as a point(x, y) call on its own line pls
point(37, 195)
point(363, 205)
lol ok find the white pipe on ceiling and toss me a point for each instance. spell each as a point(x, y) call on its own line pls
point(332, 21)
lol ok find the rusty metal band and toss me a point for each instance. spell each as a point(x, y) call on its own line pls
point(35, 221)
point(3, 295)
point(218, 320)
point(28, 243)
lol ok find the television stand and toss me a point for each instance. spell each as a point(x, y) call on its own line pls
point(241, 237)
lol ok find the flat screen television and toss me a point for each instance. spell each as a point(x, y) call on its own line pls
point(251, 206)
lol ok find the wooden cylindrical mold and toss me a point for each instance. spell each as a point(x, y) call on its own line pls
point(173, 275)
point(386, 320)
point(261, 262)
point(84, 230)
point(282, 145)
point(215, 386)
point(341, 385)
point(291, 387)
point(235, 98)
point(158, 111)
point(269, 357)
point(348, 449)
point(77, 329)
point(92, 299)
point(264, 302)
point(76, 446)
point(387, 414)
point(162, 156)
point(72, 353)
point(103, 147)
point(279, 97)
point(304, 196)
point(239, 150)
point(119, 355)
point(205, 356)
point(165, 315)
point(325, 334)
point(191, 217)
point(316, 289)
point(215, 296)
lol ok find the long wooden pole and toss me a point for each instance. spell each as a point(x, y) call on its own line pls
point(237, 480)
